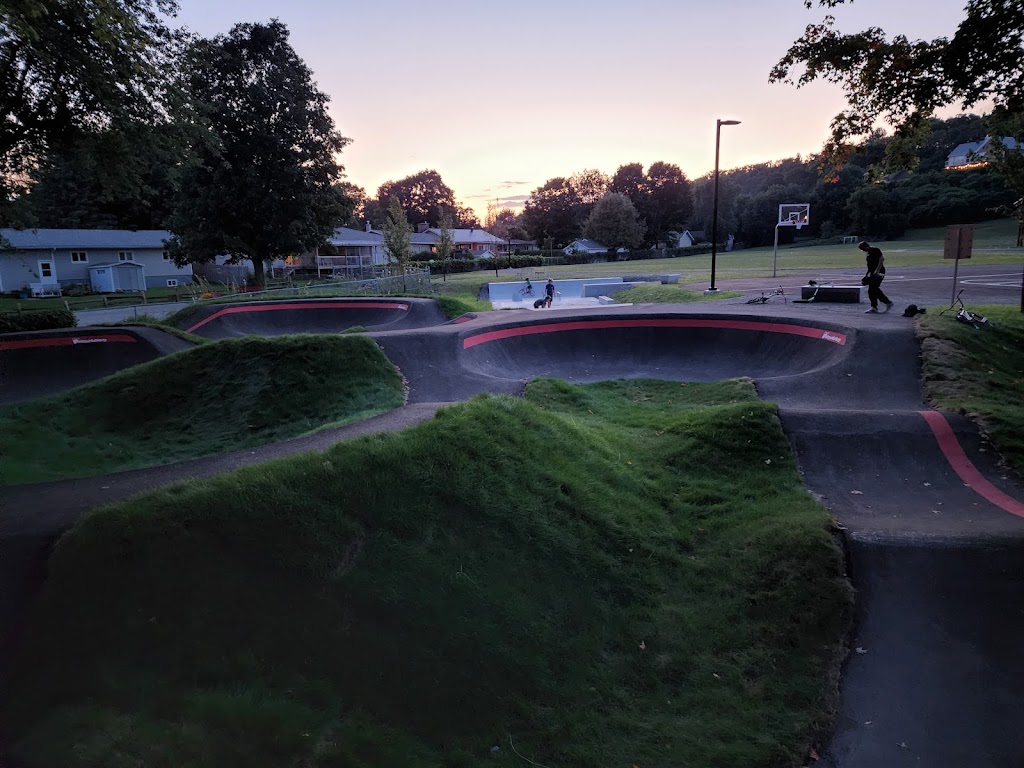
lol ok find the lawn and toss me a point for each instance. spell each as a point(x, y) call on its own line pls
point(558, 579)
point(994, 243)
point(216, 398)
point(979, 372)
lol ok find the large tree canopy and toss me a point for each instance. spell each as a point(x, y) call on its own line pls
point(424, 197)
point(662, 196)
point(72, 63)
point(265, 184)
point(904, 81)
point(614, 222)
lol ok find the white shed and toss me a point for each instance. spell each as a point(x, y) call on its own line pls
point(117, 276)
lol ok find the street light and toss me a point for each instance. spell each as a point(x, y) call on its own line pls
point(714, 208)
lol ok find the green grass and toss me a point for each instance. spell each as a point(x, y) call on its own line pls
point(994, 243)
point(100, 301)
point(216, 398)
point(656, 293)
point(563, 571)
point(979, 372)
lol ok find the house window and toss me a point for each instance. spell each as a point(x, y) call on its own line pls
point(166, 256)
point(172, 283)
point(125, 256)
point(79, 257)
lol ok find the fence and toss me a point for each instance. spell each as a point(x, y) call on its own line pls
point(413, 281)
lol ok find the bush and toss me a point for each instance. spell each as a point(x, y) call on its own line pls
point(42, 320)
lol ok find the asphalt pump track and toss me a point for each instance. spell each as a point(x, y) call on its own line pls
point(933, 526)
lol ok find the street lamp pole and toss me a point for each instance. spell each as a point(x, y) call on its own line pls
point(714, 207)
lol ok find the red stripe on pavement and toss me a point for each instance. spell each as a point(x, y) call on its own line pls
point(67, 341)
point(585, 325)
point(967, 472)
point(304, 305)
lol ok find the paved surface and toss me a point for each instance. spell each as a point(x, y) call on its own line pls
point(935, 676)
point(121, 314)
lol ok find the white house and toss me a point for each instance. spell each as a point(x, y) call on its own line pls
point(976, 154)
point(42, 260)
point(585, 246)
point(690, 237)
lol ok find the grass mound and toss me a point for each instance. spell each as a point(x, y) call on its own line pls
point(656, 293)
point(212, 399)
point(979, 372)
point(623, 573)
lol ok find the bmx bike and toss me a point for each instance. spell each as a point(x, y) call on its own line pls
point(965, 316)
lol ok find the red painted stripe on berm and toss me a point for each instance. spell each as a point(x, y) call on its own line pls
point(586, 325)
point(301, 306)
point(964, 468)
point(68, 341)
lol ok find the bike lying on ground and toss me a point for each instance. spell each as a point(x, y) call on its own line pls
point(965, 316)
point(764, 297)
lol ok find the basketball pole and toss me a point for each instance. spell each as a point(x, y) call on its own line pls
point(775, 255)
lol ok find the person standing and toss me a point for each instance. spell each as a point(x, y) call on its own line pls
point(875, 275)
point(549, 294)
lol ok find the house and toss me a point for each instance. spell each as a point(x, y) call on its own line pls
point(43, 260)
point(585, 246)
point(354, 251)
point(690, 237)
point(473, 241)
point(976, 154)
point(524, 245)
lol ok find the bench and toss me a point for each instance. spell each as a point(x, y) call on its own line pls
point(837, 294)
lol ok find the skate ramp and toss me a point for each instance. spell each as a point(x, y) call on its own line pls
point(692, 348)
point(277, 318)
point(38, 364)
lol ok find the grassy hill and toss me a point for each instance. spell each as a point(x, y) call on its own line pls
point(617, 574)
point(216, 398)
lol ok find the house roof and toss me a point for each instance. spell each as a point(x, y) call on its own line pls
point(54, 239)
point(346, 236)
point(977, 151)
point(470, 236)
point(588, 244)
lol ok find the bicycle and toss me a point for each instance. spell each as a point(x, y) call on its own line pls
point(965, 316)
point(527, 291)
point(764, 297)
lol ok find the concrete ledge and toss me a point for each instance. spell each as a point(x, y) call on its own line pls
point(606, 300)
point(836, 294)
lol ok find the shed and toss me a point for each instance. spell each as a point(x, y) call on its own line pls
point(117, 276)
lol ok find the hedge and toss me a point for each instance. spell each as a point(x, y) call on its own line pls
point(41, 320)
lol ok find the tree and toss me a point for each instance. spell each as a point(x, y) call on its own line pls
point(425, 198)
point(903, 82)
point(397, 229)
point(669, 200)
point(551, 210)
point(445, 242)
point(614, 222)
point(66, 64)
point(264, 184)
point(119, 178)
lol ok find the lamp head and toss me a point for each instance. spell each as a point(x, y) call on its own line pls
point(728, 122)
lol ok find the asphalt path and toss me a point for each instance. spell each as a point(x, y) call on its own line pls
point(934, 526)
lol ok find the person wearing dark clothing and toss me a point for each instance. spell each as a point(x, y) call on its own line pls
point(549, 294)
point(875, 275)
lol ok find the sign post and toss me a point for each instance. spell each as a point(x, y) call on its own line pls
point(959, 241)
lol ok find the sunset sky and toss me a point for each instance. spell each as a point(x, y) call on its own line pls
point(498, 98)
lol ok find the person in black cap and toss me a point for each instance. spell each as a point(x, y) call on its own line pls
point(875, 275)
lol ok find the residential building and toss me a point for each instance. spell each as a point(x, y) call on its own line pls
point(690, 237)
point(584, 245)
point(43, 260)
point(977, 154)
point(473, 241)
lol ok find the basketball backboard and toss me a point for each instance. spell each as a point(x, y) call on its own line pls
point(794, 215)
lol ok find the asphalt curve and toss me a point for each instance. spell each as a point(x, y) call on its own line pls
point(327, 315)
point(39, 364)
point(934, 528)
